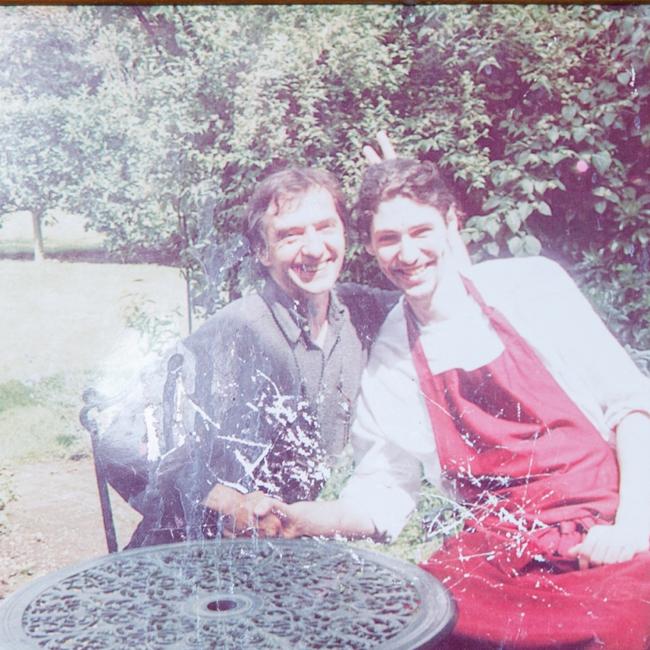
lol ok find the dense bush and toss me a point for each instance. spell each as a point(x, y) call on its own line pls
point(537, 114)
point(546, 134)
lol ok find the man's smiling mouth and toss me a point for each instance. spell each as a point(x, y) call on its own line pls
point(414, 272)
point(312, 268)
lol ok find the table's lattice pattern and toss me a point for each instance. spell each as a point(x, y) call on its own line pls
point(237, 594)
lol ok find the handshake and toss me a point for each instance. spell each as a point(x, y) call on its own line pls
point(257, 513)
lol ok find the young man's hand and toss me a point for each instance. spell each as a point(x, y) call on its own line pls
point(609, 545)
point(245, 514)
point(631, 532)
point(321, 519)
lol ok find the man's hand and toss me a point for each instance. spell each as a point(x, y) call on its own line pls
point(609, 545)
point(301, 519)
point(385, 146)
point(245, 514)
point(321, 519)
point(631, 532)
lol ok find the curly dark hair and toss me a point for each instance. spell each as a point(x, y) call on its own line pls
point(285, 185)
point(419, 181)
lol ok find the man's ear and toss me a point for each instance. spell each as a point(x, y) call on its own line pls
point(262, 254)
point(369, 248)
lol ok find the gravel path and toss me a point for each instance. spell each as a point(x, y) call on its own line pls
point(54, 521)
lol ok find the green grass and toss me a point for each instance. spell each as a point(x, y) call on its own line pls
point(6, 496)
point(63, 234)
point(39, 421)
point(14, 394)
point(67, 328)
point(66, 440)
point(71, 317)
point(21, 246)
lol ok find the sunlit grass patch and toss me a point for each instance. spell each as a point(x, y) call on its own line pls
point(14, 394)
point(39, 421)
point(66, 440)
point(6, 496)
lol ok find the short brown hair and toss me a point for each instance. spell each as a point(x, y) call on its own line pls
point(282, 186)
point(419, 181)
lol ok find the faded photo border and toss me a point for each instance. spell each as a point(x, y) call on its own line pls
point(123, 228)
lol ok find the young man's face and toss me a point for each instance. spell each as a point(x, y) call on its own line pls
point(305, 244)
point(410, 243)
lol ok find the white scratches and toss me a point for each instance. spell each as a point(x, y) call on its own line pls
point(251, 466)
point(153, 434)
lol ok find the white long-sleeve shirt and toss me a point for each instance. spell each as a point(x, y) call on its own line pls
point(392, 437)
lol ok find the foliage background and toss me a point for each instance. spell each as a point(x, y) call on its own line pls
point(155, 122)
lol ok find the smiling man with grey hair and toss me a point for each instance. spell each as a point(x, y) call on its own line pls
point(267, 386)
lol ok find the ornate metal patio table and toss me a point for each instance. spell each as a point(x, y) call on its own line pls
point(231, 594)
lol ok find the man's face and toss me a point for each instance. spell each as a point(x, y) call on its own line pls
point(305, 244)
point(409, 241)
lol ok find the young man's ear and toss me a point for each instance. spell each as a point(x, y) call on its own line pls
point(451, 218)
point(458, 248)
point(369, 248)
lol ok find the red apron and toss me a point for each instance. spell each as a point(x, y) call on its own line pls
point(536, 475)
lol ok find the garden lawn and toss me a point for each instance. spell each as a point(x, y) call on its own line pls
point(66, 326)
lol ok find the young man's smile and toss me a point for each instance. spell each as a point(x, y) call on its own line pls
point(416, 273)
point(409, 241)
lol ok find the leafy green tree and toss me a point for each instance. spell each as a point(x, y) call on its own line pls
point(41, 77)
point(156, 122)
point(217, 98)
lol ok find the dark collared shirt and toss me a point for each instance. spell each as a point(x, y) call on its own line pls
point(325, 385)
point(265, 407)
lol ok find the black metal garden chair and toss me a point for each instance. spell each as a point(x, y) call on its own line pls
point(94, 404)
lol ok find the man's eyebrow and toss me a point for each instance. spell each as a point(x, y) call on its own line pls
point(289, 230)
point(325, 221)
point(384, 232)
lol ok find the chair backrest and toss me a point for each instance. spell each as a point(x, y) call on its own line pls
point(93, 401)
point(94, 404)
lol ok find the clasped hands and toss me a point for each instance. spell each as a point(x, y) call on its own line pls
point(255, 513)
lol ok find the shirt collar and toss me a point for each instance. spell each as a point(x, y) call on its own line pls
point(289, 313)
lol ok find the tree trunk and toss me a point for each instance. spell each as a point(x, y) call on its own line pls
point(39, 252)
point(188, 295)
